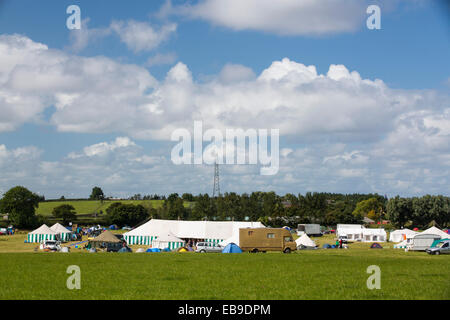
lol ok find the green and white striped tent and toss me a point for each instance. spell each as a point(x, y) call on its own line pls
point(214, 241)
point(64, 234)
point(40, 234)
point(139, 240)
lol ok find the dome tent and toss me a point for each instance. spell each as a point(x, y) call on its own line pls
point(376, 246)
point(41, 234)
point(125, 249)
point(232, 248)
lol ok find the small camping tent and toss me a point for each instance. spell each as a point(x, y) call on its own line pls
point(376, 246)
point(232, 248)
point(305, 242)
point(41, 234)
point(125, 249)
point(64, 234)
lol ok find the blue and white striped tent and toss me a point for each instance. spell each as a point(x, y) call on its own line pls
point(41, 234)
point(64, 234)
point(209, 231)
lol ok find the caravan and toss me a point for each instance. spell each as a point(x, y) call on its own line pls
point(266, 239)
point(424, 240)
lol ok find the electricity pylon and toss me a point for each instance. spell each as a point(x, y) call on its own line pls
point(216, 191)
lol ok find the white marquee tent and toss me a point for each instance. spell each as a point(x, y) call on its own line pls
point(305, 241)
point(353, 231)
point(401, 235)
point(209, 231)
point(357, 232)
point(40, 234)
point(374, 234)
point(63, 232)
point(434, 230)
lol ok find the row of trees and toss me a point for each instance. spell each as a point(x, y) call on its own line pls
point(420, 212)
point(323, 208)
point(268, 207)
point(275, 210)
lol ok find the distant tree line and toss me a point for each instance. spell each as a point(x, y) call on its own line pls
point(271, 209)
point(420, 212)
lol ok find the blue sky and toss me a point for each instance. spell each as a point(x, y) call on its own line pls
point(391, 135)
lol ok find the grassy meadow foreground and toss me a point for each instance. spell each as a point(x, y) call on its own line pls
point(317, 274)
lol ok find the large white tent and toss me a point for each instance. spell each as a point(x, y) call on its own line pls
point(401, 235)
point(305, 241)
point(64, 233)
point(374, 234)
point(209, 231)
point(41, 234)
point(352, 231)
point(434, 230)
point(357, 232)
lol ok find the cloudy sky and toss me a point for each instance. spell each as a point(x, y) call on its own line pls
point(358, 110)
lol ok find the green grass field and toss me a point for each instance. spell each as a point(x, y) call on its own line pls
point(318, 274)
point(88, 207)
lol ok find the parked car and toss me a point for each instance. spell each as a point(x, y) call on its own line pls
point(51, 245)
point(208, 247)
point(442, 248)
